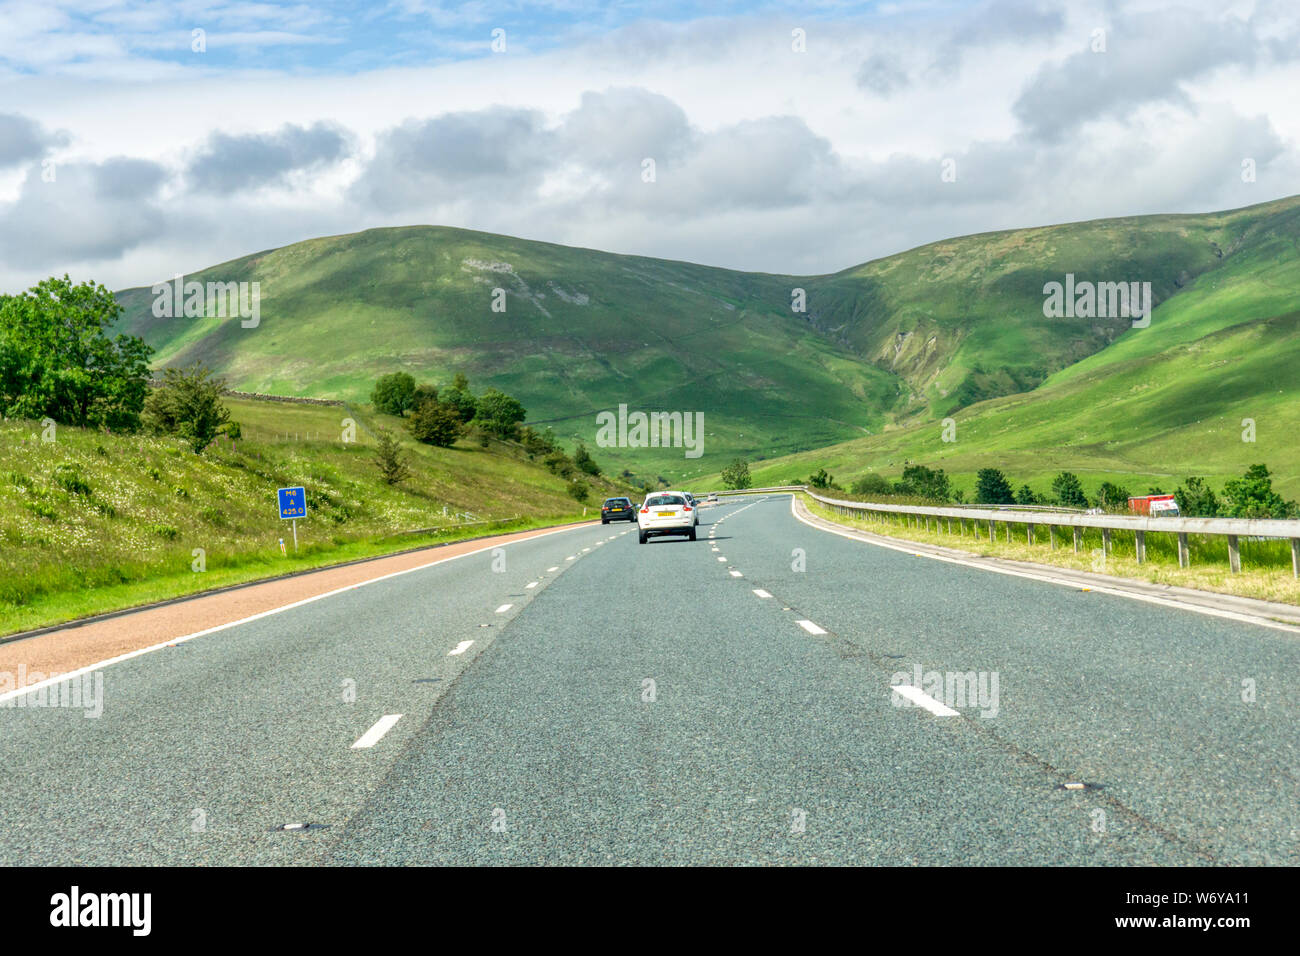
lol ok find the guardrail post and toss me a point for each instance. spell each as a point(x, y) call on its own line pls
point(1184, 553)
point(1029, 533)
point(1295, 557)
point(1051, 533)
point(992, 532)
point(1078, 538)
point(1140, 545)
point(1234, 554)
point(1105, 540)
point(1008, 532)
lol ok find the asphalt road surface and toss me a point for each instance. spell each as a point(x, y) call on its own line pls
point(724, 701)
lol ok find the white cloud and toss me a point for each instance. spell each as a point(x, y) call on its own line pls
point(766, 158)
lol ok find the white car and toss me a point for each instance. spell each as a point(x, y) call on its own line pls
point(667, 512)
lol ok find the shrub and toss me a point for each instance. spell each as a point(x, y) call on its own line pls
point(925, 483)
point(871, 484)
point(389, 457)
point(1068, 492)
point(821, 479)
point(584, 462)
point(435, 424)
point(500, 414)
point(992, 488)
point(579, 490)
point(1112, 497)
point(393, 394)
point(188, 405)
point(736, 475)
point(1196, 499)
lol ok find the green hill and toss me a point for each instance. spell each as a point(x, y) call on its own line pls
point(582, 331)
point(92, 521)
point(895, 343)
point(1158, 404)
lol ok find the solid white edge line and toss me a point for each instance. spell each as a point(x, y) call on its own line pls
point(810, 627)
point(922, 699)
point(91, 668)
point(375, 733)
point(1050, 579)
point(460, 648)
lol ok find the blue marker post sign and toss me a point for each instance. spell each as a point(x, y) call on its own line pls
point(293, 505)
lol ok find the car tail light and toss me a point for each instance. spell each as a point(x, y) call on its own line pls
point(645, 511)
point(686, 507)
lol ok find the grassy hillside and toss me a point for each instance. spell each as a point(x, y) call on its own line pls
point(92, 522)
point(898, 342)
point(962, 320)
point(1159, 404)
point(582, 331)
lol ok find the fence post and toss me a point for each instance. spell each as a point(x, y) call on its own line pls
point(1140, 545)
point(1184, 553)
point(1234, 554)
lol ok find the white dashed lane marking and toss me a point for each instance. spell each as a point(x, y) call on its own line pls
point(503, 608)
point(922, 699)
point(460, 648)
point(810, 627)
point(761, 593)
point(376, 733)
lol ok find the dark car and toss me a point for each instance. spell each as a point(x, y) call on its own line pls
point(617, 509)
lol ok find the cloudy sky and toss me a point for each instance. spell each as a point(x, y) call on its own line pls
point(141, 138)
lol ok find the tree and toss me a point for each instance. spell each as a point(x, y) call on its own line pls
point(460, 397)
point(871, 484)
point(1026, 496)
point(736, 475)
point(188, 404)
point(821, 479)
point(435, 423)
point(1112, 497)
point(390, 458)
point(1196, 499)
point(1068, 492)
point(500, 414)
point(57, 360)
point(924, 483)
point(992, 488)
point(394, 394)
point(423, 393)
point(578, 490)
point(1252, 496)
point(585, 463)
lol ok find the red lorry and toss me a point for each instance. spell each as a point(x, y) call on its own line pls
point(1154, 506)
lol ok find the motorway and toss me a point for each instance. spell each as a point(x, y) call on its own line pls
point(577, 698)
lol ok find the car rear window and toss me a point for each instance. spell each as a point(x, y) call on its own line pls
point(617, 501)
point(660, 501)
